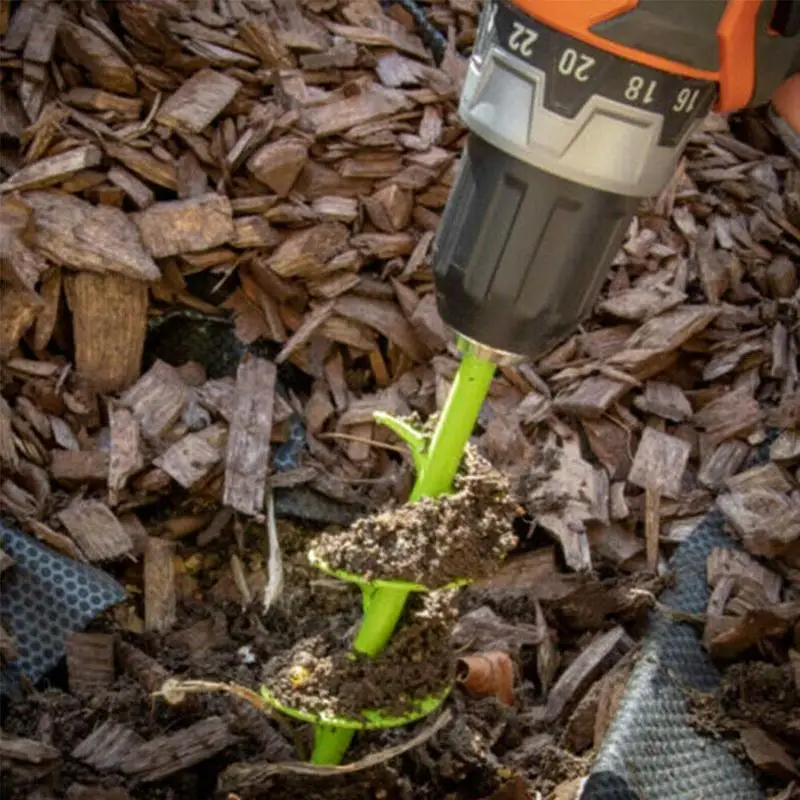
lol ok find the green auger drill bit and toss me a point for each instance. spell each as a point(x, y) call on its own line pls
point(436, 459)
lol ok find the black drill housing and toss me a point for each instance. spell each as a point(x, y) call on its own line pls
point(522, 254)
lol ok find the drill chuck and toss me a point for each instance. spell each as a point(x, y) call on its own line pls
point(569, 131)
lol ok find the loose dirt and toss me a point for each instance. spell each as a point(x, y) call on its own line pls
point(433, 542)
point(319, 675)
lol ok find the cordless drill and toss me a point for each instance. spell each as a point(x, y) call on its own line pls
point(578, 109)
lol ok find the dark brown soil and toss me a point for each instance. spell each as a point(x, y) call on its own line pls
point(752, 693)
point(319, 675)
point(433, 542)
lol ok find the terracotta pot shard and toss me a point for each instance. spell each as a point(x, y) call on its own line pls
point(485, 674)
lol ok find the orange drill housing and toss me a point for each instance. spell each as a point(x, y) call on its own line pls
point(736, 38)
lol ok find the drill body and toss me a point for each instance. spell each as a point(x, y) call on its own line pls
point(577, 110)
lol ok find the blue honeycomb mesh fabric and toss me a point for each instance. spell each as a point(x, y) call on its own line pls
point(44, 597)
point(651, 751)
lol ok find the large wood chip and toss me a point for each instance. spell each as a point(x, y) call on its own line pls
point(109, 325)
point(160, 596)
point(665, 400)
point(247, 458)
point(601, 654)
point(106, 746)
point(157, 399)
point(745, 571)
point(97, 100)
point(140, 193)
point(386, 318)
point(193, 457)
point(88, 50)
point(186, 226)
point(374, 102)
point(592, 397)
point(564, 492)
point(306, 252)
point(79, 466)
point(199, 101)
point(641, 303)
point(145, 165)
point(177, 751)
point(54, 169)
point(18, 312)
point(768, 754)
point(90, 662)
point(266, 43)
point(96, 530)
point(78, 235)
point(21, 24)
point(767, 521)
point(670, 330)
point(31, 751)
point(125, 458)
point(660, 463)
point(42, 39)
point(768, 476)
point(279, 164)
point(722, 462)
point(733, 414)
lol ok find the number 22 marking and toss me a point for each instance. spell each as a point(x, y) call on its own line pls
point(522, 39)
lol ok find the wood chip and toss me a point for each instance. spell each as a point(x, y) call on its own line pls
point(305, 253)
point(156, 400)
point(106, 746)
point(75, 234)
point(768, 754)
point(247, 457)
point(53, 170)
point(140, 193)
point(145, 165)
point(28, 750)
point(160, 598)
point(90, 662)
point(186, 226)
point(96, 530)
point(83, 466)
point(125, 458)
point(109, 324)
point(660, 463)
point(193, 457)
point(603, 652)
point(175, 752)
point(107, 69)
point(199, 101)
point(278, 165)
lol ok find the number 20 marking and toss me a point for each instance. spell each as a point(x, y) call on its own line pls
point(576, 65)
point(522, 39)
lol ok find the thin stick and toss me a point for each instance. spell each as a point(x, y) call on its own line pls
point(274, 585)
point(348, 437)
point(253, 776)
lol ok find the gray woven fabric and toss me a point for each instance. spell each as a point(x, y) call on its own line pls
point(651, 751)
point(44, 597)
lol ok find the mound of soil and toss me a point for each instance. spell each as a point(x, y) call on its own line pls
point(432, 542)
point(319, 674)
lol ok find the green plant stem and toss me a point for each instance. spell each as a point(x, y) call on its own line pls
point(455, 426)
point(330, 744)
point(437, 469)
point(383, 611)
